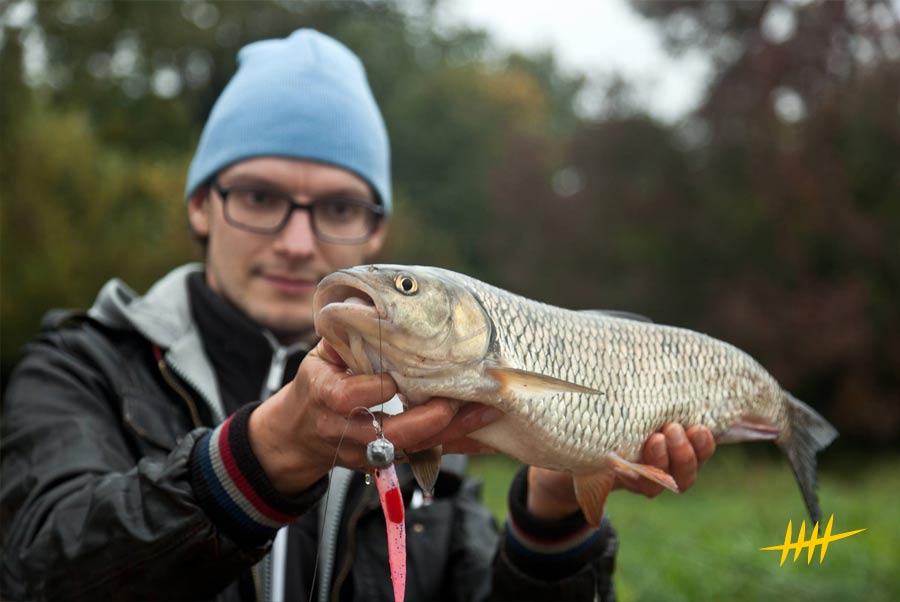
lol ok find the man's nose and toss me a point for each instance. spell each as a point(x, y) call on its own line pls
point(297, 237)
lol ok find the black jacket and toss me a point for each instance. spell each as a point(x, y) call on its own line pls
point(100, 500)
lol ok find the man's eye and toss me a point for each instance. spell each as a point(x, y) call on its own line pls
point(256, 197)
point(338, 209)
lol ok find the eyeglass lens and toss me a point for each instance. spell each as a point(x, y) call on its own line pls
point(336, 219)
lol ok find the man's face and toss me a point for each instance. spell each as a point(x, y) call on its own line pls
point(272, 277)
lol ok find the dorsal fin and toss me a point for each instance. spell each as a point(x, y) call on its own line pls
point(615, 313)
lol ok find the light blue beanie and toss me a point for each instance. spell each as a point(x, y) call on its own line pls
point(305, 96)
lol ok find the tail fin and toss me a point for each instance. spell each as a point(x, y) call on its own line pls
point(807, 434)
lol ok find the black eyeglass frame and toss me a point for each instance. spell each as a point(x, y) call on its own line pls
point(377, 210)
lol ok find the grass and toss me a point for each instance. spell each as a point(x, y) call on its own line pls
point(704, 544)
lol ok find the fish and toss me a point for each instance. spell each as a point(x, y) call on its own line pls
point(579, 391)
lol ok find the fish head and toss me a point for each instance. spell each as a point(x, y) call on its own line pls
point(414, 321)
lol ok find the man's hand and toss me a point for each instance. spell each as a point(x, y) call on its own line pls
point(551, 494)
point(314, 421)
point(676, 451)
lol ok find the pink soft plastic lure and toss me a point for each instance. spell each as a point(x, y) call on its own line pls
point(380, 454)
point(394, 516)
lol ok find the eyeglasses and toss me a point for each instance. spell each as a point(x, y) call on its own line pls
point(263, 210)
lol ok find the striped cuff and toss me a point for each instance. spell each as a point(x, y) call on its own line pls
point(233, 488)
point(552, 549)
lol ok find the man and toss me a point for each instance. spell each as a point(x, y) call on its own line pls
point(177, 445)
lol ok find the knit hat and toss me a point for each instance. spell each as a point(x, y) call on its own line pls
point(306, 97)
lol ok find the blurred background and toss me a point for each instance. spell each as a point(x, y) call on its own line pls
point(744, 183)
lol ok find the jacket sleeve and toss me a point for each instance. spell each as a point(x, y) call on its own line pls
point(552, 560)
point(84, 515)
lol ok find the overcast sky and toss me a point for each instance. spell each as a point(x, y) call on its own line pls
point(596, 37)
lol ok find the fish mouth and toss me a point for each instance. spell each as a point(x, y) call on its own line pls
point(349, 313)
point(348, 292)
point(352, 299)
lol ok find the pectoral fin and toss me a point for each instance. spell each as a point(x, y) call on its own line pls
point(645, 470)
point(591, 491)
point(532, 383)
point(426, 465)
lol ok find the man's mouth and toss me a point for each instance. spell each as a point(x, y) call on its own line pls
point(291, 284)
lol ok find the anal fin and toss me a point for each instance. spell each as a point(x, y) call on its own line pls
point(591, 491)
point(749, 430)
point(426, 465)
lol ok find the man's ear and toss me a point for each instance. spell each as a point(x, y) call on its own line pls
point(198, 211)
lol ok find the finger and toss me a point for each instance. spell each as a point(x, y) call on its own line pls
point(469, 418)
point(682, 459)
point(325, 351)
point(409, 429)
point(354, 460)
point(345, 431)
point(468, 446)
point(655, 452)
point(356, 433)
point(368, 390)
point(703, 441)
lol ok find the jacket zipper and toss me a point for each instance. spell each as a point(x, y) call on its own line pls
point(260, 582)
point(263, 572)
point(170, 379)
point(176, 386)
point(276, 372)
point(330, 524)
point(349, 550)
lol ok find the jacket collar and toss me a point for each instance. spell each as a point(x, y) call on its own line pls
point(163, 316)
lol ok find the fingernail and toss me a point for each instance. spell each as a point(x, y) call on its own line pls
point(658, 449)
point(698, 440)
point(675, 436)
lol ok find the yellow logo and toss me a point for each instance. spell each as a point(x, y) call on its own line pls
point(811, 543)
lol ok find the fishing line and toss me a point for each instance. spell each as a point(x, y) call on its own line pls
point(378, 433)
point(381, 372)
point(378, 423)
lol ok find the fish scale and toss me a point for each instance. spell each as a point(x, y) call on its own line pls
point(580, 391)
point(628, 351)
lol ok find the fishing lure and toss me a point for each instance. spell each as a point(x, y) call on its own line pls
point(380, 454)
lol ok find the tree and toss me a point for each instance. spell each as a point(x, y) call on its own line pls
point(798, 183)
point(98, 136)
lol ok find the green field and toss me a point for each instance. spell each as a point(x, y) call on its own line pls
point(704, 544)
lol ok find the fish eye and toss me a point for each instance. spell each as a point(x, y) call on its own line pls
point(406, 284)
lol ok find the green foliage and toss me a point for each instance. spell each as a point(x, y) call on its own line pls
point(778, 234)
point(707, 541)
point(771, 228)
point(96, 153)
point(77, 214)
point(704, 544)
